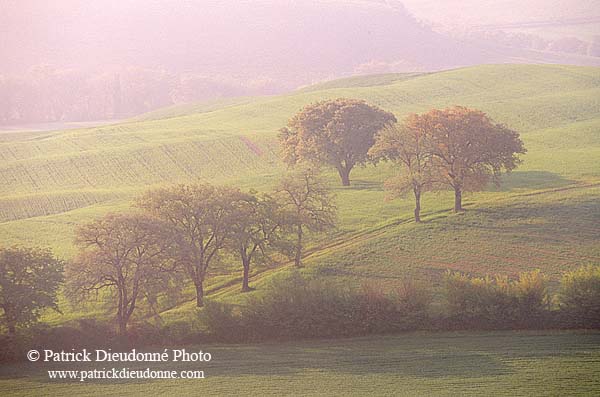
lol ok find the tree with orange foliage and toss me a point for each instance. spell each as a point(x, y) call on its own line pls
point(407, 145)
point(337, 132)
point(468, 148)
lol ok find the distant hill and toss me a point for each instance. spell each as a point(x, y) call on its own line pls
point(116, 59)
point(567, 15)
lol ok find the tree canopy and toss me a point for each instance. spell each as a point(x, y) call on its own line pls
point(468, 148)
point(336, 132)
point(410, 147)
point(255, 228)
point(307, 205)
point(29, 281)
point(121, 253)
point(199, 219)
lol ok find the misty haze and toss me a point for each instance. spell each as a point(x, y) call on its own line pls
point(84, 61)
point(299, 197)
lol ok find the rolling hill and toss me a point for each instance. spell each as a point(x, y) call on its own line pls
point(85, 61)
point(546, 215)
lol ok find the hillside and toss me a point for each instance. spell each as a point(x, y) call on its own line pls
point(546, 215)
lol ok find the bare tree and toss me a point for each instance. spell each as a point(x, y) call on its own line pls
point(255, 228)
point(199, 219)
point(307, 206)
point(123, 254)
point(408, 146)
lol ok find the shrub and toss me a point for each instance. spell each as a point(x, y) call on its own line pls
point(293, 306)
point(413, 301)
point(531, 299)
point(85, 333)
point(579, 297)
point(221, 321)
point(373, 311)
point(179, 332)
point(497, 302)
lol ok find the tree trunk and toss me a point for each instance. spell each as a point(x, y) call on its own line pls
point(122, 326)
point(11, 329)
point(457, 199)
point(121, 311)
point(199, 294)
point(417, 205)
point(345, 175)
point(245, 279)
point(298, 258)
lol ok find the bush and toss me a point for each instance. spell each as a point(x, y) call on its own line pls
point(179, 332)
point(11, 349)
point(413, 302)
point(293, 306)
point(372, 311)
point(85, 333)
point(497, 302)
point(579, 297)
point(530, 299)
point(221, 321)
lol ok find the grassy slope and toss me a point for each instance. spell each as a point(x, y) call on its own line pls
point(503, 363)
point(545, 216)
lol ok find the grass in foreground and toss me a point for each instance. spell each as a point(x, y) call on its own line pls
point(499, 363)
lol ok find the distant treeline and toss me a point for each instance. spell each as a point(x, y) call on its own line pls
point(528, 41)
point(45, 94)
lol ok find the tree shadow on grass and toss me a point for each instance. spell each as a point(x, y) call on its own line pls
point(364, 185)
point(580, 217)
point(529, 180)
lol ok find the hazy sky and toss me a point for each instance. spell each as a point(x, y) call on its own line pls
point(278, 37)
point(104, 58)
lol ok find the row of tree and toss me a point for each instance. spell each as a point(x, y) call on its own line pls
point(181, 231)
point(173, 235)
point(457, 147)
point(177, 233)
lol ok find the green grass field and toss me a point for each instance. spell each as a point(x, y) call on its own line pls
point(500, 363)
point(546, 216)
point(52, 180)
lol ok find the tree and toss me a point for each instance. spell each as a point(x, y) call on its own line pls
point(468, 148)
point(199, 219)
point(336, 132)
point(29, 281)
point(307, 205)
point(255, 227)
point(408, 146)
point(123, 254)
